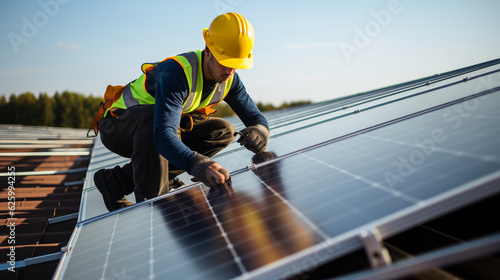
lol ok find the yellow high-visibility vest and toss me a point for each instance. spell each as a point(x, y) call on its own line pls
point(135, 92)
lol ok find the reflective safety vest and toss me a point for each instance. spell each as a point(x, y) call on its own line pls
point(135, 93)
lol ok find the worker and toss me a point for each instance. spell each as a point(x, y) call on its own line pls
point(161, 120)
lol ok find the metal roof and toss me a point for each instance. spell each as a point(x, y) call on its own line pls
point(44, 168)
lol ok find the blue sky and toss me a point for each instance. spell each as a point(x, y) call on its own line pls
point(304, 50)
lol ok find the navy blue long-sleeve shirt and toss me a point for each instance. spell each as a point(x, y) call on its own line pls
point(168, 83)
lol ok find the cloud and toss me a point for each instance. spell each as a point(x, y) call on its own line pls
point(64, 45)
point(311, 45)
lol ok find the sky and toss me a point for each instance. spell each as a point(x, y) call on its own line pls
point(304, 50)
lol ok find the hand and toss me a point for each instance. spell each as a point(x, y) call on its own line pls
point(255, 138)
point(208, 171)
point(215, 175)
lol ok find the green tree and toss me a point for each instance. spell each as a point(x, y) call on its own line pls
point(265, 107)
point(4, 107)
point(12, 114)
point(3, 101)
point(58, 106)
point(46, 110)
point(64, 109)
point(26, 109)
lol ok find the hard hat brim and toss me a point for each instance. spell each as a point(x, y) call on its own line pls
point(238, 63)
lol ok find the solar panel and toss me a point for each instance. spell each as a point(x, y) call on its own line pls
point(324, 181)
point(315, 130)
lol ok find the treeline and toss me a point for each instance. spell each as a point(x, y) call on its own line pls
point(69, 109)
point(270, 107)
point(65, 109)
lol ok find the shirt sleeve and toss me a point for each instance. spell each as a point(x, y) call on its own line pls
point(169, 84)
point(243, 105)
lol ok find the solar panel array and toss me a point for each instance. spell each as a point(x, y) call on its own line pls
point(381, 161)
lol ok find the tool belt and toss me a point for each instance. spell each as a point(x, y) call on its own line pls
point(189, 120)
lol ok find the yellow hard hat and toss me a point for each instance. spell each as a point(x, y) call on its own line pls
point(230, 38)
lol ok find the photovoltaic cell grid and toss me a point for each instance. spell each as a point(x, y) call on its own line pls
point(303, 205)
point(315, 123)
point(324, 127)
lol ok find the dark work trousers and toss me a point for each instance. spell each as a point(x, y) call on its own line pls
point(148, 173)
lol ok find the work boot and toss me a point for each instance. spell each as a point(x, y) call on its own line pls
point(113, 198)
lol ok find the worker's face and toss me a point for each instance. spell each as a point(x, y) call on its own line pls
point(219, 72)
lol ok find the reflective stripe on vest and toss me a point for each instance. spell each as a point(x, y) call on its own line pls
point(135, 92)
point(128, 98)
point(192, 59)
